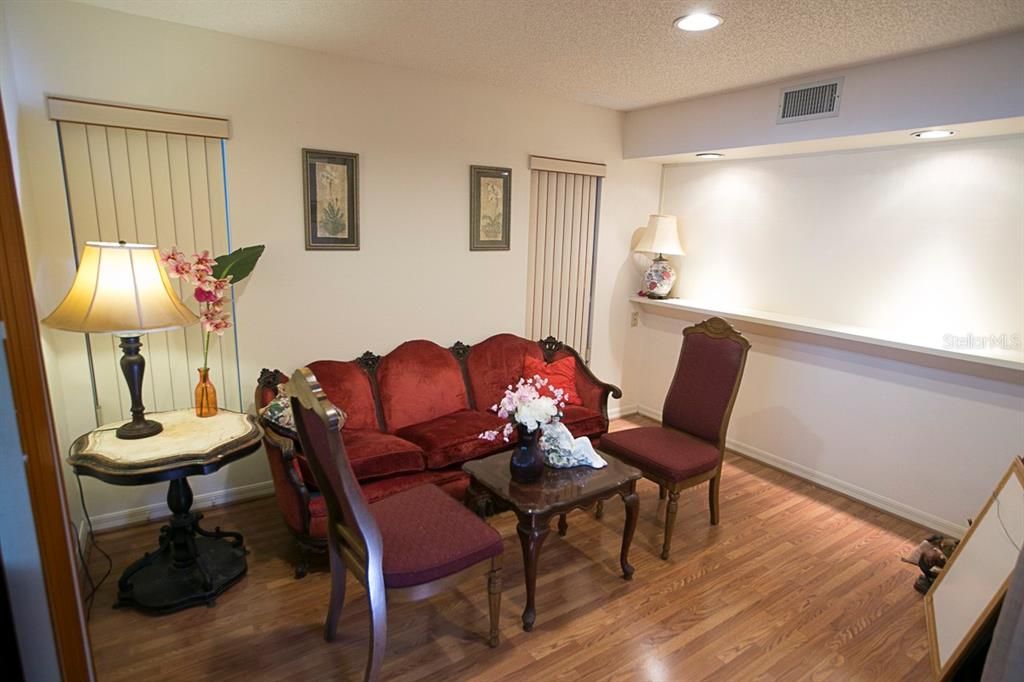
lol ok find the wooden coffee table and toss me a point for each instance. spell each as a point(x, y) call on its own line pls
point(559, 491)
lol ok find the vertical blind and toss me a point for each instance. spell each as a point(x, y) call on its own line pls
point(565, 199)
point(133, 183)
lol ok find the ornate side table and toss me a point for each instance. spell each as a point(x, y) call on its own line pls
point(558, 492)
point(192, 565)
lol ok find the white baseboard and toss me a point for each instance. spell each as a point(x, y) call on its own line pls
point(159, 511)
point(858, 493)
point(619, 410)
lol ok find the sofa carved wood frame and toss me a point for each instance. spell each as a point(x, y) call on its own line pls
point(269, 379)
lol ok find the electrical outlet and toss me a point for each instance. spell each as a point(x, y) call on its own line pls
point(634, 318)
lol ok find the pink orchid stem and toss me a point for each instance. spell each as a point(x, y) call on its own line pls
point(206, 345)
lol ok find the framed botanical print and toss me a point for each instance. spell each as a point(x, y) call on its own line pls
point(330, 182)
point(490, 208)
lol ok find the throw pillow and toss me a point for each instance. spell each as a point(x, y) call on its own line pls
point(277, 414)
point(560, 374)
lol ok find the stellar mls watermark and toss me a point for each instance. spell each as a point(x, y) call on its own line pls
point(971, 341)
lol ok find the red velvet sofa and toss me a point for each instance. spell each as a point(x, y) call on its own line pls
point(413, 417)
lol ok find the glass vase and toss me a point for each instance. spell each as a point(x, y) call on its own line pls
point(527, 462)
point(206, 395)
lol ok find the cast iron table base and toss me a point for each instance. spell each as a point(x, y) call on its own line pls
point(192, 565)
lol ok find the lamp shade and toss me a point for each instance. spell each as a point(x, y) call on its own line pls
point(661, 236)
point(120, 289)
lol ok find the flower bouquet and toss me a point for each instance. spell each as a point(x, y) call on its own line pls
point(528, 406)
point(211, 278)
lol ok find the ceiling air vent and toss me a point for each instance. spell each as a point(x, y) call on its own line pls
point(810, 101)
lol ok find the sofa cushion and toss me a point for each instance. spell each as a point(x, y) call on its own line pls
point(374, 454)
point(347, 386)
point(451, 480)
point(583, 421)
point(421, 547)
point(419, 381)
point(590, 393)
point(664, 452)
point(455, 437)
point(495, 363)
point(559, 374)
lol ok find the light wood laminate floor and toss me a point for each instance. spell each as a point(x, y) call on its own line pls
point(796, 583)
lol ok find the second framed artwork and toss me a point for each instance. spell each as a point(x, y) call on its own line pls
point(330, 182)
point(490, 208)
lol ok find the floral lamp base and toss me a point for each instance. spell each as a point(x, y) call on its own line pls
point(658, 279)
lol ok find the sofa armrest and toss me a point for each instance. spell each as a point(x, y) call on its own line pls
point(266, 386)
point(592, 391)
point(290, 490)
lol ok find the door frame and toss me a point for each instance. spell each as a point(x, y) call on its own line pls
point(38, 435)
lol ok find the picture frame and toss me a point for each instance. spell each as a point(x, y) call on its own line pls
point(330, 187)
point(490, 208)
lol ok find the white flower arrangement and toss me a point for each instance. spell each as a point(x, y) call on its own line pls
point(524, 404)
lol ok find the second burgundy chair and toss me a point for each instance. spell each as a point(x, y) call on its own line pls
point(405, 545)
point(687, 449)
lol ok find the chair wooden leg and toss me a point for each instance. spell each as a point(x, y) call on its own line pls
point(662, 492)
point(377, 597)
point(494, 599)
point(670, 522)
point(599, 511)
point(713, 498)
point(337, 599)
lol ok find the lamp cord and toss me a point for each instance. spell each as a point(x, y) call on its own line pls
point(93, 586)
point(1006, 531)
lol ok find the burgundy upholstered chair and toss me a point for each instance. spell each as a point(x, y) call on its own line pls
point(405, 545)
point(688, 447)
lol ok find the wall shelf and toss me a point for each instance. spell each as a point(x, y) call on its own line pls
point(1003, 365)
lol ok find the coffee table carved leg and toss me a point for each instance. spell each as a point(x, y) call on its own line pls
point(532, 531)
point(563, 525)
point(632, 502)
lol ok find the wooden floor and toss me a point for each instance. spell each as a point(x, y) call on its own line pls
point(795, 583)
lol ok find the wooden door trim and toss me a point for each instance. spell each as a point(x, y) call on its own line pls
point(38, 435)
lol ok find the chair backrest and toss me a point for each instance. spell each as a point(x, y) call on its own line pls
point(350, 521)
point(706, 381)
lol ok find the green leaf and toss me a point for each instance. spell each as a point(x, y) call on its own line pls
point(239, 264)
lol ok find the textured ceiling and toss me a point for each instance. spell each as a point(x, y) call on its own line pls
point(623, 54)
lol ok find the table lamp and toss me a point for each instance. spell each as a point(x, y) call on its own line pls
point(660, 237)
point(122, 289)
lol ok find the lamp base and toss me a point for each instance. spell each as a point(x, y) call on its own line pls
point(133, 365)
point(144, 428)
point(659, 278)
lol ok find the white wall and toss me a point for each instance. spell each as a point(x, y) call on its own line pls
point(416, 135)
point(914, 241)
point(973, 82)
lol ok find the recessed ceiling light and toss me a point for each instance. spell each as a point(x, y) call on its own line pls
point(933, 134)
point(699, 21)
point(710, 155)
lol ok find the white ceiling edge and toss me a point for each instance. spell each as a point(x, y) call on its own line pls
point(892, 138)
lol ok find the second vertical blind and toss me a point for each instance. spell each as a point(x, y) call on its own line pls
point(564, 208)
